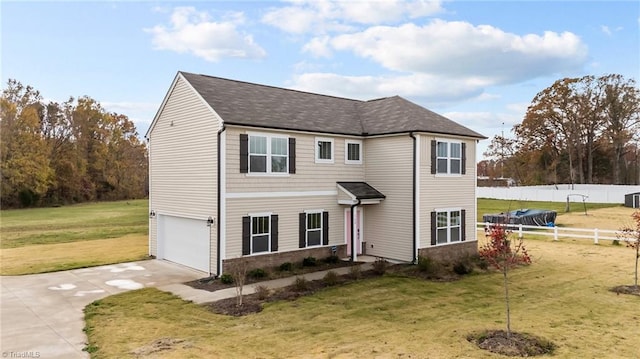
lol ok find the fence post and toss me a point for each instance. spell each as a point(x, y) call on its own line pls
point(520, 231)
point(555, 233)
point(595, 236)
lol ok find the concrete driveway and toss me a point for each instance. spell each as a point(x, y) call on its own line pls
point(41, 314)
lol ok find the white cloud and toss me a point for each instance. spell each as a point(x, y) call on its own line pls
point(318, 46)
point(608, 31)
point(192, 31)
point(459, 49)
point(325, 16)
point(140, 113)
point(430, 88)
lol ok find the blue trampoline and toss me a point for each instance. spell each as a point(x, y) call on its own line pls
point(529, 217)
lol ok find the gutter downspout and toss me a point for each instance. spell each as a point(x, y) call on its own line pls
point(354, 255)
point(415, 220)
point(150, 198)
point(219, 200)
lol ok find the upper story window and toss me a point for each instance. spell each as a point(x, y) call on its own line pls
point(352, 152)
point(267, 154)
point(324, 150)
point(447, 157)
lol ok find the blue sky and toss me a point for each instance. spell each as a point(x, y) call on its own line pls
point(477, 62)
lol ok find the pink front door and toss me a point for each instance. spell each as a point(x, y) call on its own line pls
point(347, 235)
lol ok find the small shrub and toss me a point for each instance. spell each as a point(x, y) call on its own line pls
point(262, 292)
point(331, 278)
point(226, 278)
point(427, 265)
point(333, 259)
point(355, 272)
point(257, 273)
point(286, 267)
point(309, 262)
point(615, 242)
point(380, 266)
point(300, 284)
point(463, 268)
point(482, 263)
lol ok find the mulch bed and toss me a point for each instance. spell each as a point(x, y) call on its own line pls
point(252, 303)
point(213, 284)
point(519, 344)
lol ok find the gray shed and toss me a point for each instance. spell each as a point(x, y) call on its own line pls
point(632, 200)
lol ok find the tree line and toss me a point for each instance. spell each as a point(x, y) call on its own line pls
point(75, 151)
point(578, 130)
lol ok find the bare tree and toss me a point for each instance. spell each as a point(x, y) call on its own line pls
point(238, 271)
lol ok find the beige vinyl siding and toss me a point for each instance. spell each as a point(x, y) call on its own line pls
point(447, 191)
point(343, 196)
point(309, 176)
point(183, 160)
point(287, 210)
point(388, 225)
point(153, 236)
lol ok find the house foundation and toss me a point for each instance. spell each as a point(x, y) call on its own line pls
point(275, 259)
point(451, 252)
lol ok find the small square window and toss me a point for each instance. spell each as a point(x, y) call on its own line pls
point(352, 152)
point(324, 150)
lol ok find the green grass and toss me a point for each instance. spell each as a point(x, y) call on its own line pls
point(563, 297)
point(81, 222)
point(490, 206)
point(40, 240)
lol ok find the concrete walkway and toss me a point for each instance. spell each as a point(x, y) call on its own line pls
point(41, 315)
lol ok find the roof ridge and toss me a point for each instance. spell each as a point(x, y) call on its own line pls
point(273, 87)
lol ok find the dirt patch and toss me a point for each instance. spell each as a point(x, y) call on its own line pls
point(626, 289)
point(519, 344)
point(160, 345)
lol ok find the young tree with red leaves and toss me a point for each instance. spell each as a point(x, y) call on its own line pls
point(503, 254)
point(631, 236)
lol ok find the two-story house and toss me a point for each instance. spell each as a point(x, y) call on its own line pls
point(241, 170)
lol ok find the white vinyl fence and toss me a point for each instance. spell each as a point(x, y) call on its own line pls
point(560, 232)
point(590, 193)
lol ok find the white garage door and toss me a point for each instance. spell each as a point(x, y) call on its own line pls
point(184, 241)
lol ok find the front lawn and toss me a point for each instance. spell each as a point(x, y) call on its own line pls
point(48, 239)
point(564, 297)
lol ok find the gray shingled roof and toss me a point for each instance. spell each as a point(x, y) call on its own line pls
point(362, 190)
point(243, 103)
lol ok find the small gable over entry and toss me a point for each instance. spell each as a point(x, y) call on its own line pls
point(352, 192)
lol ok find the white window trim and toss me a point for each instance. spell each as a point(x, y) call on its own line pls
point(448, 141)
point(448, 211)
point(346, 152)
point(317, 149)
point(306, 229)
point(251, 235)
point(268, 136)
